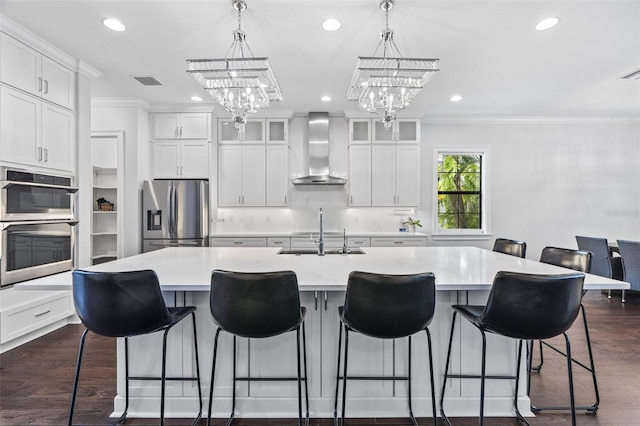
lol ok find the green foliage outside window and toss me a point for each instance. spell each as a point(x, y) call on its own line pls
point(459, 191)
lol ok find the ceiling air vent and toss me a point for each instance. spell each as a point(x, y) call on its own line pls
point(635, 75)
point(148, 81)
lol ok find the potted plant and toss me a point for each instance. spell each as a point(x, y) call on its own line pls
point(412, 223)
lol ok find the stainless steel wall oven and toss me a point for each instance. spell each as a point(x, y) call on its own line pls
point(37, 226)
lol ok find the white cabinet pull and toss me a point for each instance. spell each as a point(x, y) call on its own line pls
point(181, 170)
point(39, 154)
point(39, 84)
point(46, 87)
point(180, 131)
point(46, 155)
point(178, 170)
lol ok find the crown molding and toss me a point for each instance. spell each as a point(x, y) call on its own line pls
point(88, 71)
point(120, 102)
point(426, 119)
point(25, 36)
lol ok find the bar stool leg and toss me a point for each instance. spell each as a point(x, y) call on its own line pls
point(335, 405)
point(570, 376)
point(299, 376)
point(213, 371)
point(306, 377)
point(483, 372)
point(77, 376)
point(594, 407)
point(413, 419)
point(235, 375)
point(164, 375)
point(126, 382)
point(195, 348)
point(446, 369)
point(515, 395)
point(433, 387)
point(344, 378)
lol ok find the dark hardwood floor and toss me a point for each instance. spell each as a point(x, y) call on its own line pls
point(36, 379)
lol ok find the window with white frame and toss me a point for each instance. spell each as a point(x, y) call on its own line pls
point(461, 192)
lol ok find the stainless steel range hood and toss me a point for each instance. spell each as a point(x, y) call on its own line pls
point(318, 153)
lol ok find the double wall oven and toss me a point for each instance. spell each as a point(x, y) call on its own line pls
point(38, 226)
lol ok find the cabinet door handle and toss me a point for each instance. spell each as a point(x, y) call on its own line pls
point(39, 154)
point(180, 131)
point(325, 301)
point(42, 313)
point(398, 242)
point(285, 200)
point(39, 84)
point(351, 199)
point(315, 297)
point(46, 87)
point(238, 243)
point(175, 132)
point(178, 170)
point(46, 155)
point(181, 170)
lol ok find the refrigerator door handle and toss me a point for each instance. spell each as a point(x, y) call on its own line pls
point(175, 211)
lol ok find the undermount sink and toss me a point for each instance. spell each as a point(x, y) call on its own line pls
point(299, 251)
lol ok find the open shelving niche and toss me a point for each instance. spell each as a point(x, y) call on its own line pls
point(105, 236)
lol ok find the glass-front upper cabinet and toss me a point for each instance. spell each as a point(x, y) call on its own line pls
point(253, 132)
point(403, 131)
point(277, 131)
point(360, 131)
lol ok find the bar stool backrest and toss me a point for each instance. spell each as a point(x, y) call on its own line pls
point(389, 306)
point(578, 260)
point(255, 304)
point(601, 260)
point(119, 304)
point(532, 306)
point(630, 253)
point(510, 247)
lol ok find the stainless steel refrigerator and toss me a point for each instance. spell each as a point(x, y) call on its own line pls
point(175, 213)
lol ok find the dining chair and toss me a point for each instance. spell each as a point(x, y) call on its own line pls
point(258, 305)
point(126, 305)
point(513, 310)
point(603, 262)
point(384, 306)
point(510, 247)
point(581, 261)
point(630, 254)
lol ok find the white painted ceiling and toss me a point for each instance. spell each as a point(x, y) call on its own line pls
point(489, 51)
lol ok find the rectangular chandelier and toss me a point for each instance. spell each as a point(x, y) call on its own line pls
point(402, 78)
point(219, 77)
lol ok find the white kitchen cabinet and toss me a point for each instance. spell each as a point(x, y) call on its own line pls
point(254, 132)
point(395, 175)
point(277, 131)
point(191, 125)
point(359, 175)
point(403, 131)
point(416, 241)
point(241, 176)
point(353, 242)
point(277, 175)
point(238, 242)
point(181, 159)
point(35, 133)
point(27, 69)
point(360, 131)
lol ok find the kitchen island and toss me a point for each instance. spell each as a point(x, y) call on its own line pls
point(463, 274)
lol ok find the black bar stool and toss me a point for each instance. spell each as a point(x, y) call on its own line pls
point(513, 309)
point(510, 247)
point(258, 305)
point(581, 261)
point(128, 304)
point(386, 307)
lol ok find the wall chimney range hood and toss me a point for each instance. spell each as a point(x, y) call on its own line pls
point(318, 145)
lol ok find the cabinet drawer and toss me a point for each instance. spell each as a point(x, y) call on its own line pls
point(359, 241)
point(284, 242)
point(398, 242)
point(304, 242)
point(18, 322)
point(238, 242)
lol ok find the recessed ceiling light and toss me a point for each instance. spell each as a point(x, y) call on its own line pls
point(325, 98)
point(455, 98)
point(547, 23)
point(114, 24)
point(196, 98)
point(331, 24)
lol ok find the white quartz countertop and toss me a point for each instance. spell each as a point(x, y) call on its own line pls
point(455, 268)
point(337, 233)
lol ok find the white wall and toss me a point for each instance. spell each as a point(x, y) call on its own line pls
point(132, 117)
point(552, 179)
